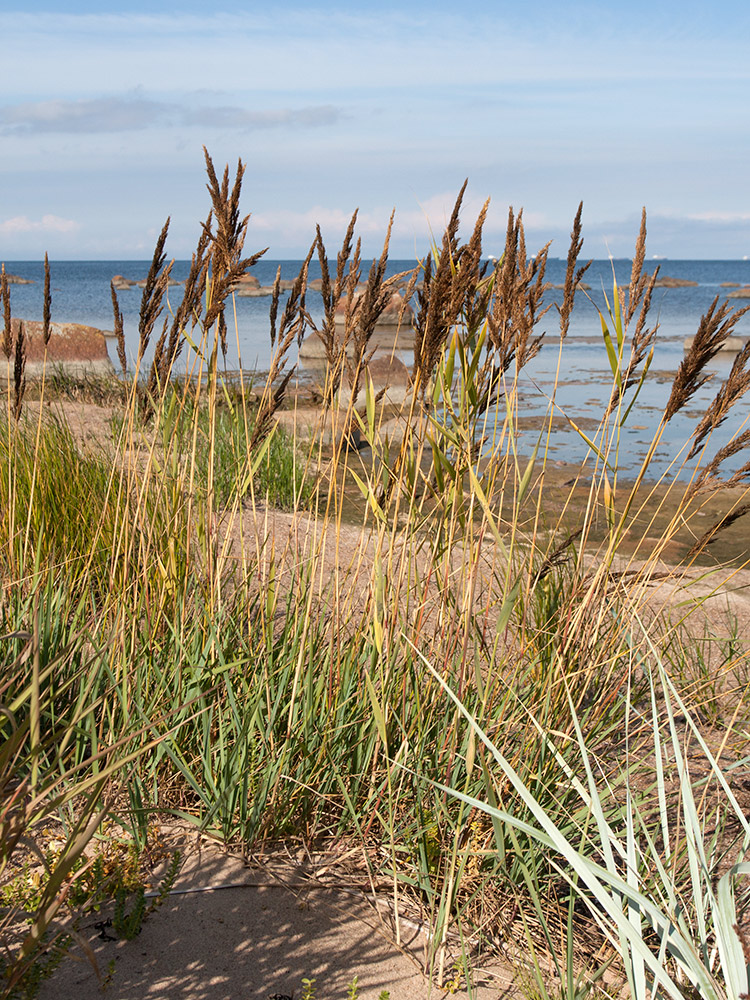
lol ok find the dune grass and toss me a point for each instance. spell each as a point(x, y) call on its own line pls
point(479, 687)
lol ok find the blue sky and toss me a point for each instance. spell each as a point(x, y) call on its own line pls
point(104, 109)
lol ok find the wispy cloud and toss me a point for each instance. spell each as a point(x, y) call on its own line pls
point(229, 117)
point(106, 114)
point(133, 113)
point(729, 217)
point(47, 224)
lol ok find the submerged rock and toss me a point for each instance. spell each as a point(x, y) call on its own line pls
point(666, 282)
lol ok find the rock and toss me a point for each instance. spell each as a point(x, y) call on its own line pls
point(388, 334)
point(729, 284)
point(390, 379)
point(732, 345)
point(247, 281)
point(120, 282)
point(312, 349)
point(142, 283)
point(73, 349)
point(243, 292)
point(386, 370)
point(740, 293)
point(332, 427)
point(666, 282)
point(13, 279)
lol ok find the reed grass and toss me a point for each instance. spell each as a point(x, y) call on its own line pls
point(424, 654)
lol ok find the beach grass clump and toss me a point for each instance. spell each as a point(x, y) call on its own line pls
point(433, 647)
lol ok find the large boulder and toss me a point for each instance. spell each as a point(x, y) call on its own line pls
point(732, 345)
point(393, 330)
point(73, 349)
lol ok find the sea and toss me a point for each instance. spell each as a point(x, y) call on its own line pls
point(81, 294)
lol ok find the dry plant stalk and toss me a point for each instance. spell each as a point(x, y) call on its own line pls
point(227, 263)
point(714, 328)
point(573, 277)
point(47, 308)
point(713, 531)
point(157, 281)
point(189, 309)
point(119, 333)
point(336, 346)
point(439, 302)
point(731, 391)
point(709, 480)
point(7, 329)
point(640, 292)
point(291, 329)
point(19, 378)
point(518, 295)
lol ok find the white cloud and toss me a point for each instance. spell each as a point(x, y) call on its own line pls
point(133, 112)
point(47, 224)
point(729, 217)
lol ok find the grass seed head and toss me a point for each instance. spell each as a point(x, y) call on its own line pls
point(47, 308)
point(7, 329)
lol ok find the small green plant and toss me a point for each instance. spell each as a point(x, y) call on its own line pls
point(128, 922)
point(308, 989)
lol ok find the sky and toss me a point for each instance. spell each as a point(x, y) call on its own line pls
point(105, 108)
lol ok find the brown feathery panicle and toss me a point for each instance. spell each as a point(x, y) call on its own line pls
point(119, 332)
point(573, 277)
point(642, 342)
point(638, 280)
point(342, 258)
point(559, 556)
point(157, 281)
point(275, 295)
point(155, 384)
point(468, 263)
point(191, 305)
point(222, 325)
point(709, 480)
point(438, 317)
point(291, 328)
point(713, 329)
point(409, 292)
point(713, 531)
point(348, 271)
point(47, 307)
point(518, 295)
point(374, 299)
point(327, 331)
point(732, 389)
point(424, 293)
point(499, 322)
point(7, 328)
point(227, 263)
point(19, 378)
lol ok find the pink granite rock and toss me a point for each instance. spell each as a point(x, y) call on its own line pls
point(72, 348)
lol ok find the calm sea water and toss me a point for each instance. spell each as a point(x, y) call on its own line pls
point(80, 294)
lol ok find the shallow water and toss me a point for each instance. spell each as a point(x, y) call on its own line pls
point(80, 293)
